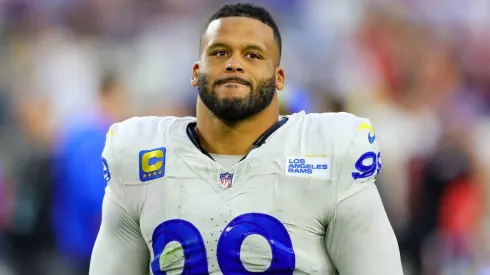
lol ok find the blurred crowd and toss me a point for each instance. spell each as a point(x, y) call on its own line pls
point(419, 69)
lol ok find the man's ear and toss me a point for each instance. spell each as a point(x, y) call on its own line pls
point(195, 74)
point(280, 77)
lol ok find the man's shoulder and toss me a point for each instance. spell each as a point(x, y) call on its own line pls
point(329, 134)
point(334, 119)
point(335, 125)
point(139, 144)
point(129, 137)
point(139, 131)
point(133, 127)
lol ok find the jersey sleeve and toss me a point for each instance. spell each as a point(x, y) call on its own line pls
point(360, 162)
point(360, 239)
point(120, 247)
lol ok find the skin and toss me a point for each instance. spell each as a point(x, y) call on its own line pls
point(239, 57)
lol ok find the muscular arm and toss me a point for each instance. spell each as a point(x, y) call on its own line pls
point(360, 239)
point(120, 248)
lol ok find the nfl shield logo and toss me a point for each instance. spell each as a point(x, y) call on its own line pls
point(225, 180)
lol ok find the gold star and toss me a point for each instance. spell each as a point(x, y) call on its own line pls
point(160, 172)
point(154, 173)
point(144, 176)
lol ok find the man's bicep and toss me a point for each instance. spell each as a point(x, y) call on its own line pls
point(360, 239)
point(120, 248)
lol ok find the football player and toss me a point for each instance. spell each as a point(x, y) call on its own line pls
point(240, 189)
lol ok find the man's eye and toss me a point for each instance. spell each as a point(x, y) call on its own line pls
point(252, 56)
point(220, 53)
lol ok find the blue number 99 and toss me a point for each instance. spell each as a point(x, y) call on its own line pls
point(366, 171)
point(229, 245)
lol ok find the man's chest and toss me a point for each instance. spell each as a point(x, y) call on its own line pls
point(263, 222)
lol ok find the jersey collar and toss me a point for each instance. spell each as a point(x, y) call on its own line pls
point(194, 138)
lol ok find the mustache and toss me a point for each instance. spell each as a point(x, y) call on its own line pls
point(232, 79)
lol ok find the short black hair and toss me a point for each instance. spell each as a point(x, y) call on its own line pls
point(250, 11)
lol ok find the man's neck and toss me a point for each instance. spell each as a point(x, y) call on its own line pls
point(218, 137)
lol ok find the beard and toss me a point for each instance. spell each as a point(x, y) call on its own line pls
point(237, 108)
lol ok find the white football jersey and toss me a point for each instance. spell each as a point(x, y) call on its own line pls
point(274, 212)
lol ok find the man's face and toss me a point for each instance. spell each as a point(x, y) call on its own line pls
point(237, 76)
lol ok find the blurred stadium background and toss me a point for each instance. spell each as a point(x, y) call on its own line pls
point(419, 69)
